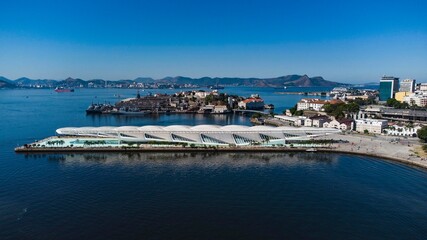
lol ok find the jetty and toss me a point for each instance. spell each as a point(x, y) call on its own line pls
point(309, 93)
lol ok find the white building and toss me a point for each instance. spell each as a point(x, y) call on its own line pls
point(407, 85)
point(220, 109)
point(422, 87)
point(418, 98)
point(371, 125)
point(252, 104)
point(201, 94)
point(198, 135)
point(402, 131)
point(315, 103)
point(343, 124)
point(293, 121)
point(310, 104)
point(316, 121)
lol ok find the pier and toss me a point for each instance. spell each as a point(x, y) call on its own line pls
point(315, 93)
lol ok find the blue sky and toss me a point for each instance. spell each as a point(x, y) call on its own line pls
point(346, 41)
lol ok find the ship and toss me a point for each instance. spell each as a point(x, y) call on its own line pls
point(62, 89)
point(99, 108)
point(131, 111)
point(216, 86)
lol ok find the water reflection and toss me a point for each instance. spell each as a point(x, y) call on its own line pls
point(205, 160)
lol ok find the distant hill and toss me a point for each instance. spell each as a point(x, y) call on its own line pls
point(6, 83)
point(3, 79)
point(288, 80)
point(305, 81)
point(27, 82)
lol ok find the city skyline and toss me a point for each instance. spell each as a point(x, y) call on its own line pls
point(344, 42)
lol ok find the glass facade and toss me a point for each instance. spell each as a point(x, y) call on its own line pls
point(386, 90)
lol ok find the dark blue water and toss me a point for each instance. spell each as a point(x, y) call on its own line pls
point(191, 196)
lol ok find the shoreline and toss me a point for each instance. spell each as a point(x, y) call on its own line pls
point(408, 162)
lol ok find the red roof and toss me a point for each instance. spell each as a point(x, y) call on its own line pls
point(248, 100)
point(335, 101)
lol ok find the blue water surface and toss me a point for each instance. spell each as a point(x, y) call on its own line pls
point(191, 196)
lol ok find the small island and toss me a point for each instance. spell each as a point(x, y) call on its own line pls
point(196, 102)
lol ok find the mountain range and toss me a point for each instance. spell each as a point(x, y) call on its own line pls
point(288, 80)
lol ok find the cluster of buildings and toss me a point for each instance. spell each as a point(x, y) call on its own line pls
point(405, 91)
point(252, 104)
point(362, 125)
point(315, 103)
point(345, 93)
point(182, 102)
point(370, 119)
point(317, 121)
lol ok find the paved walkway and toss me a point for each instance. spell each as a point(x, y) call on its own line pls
point(391, 147)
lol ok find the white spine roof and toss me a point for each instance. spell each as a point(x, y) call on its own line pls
point(201, 134)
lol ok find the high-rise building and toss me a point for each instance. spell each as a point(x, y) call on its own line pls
point(407, 85)
point(388, 86)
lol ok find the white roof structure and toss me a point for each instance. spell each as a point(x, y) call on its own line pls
point(201, 134)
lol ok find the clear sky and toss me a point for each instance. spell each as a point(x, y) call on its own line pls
point(345, 41)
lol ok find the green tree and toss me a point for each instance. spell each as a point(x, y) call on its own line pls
point(396, 104)
point(391, 102)
point(422, 134)
point(209, 98)
point(292, 109)
point(352, 107)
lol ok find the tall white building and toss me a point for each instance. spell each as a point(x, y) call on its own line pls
point(407, 85)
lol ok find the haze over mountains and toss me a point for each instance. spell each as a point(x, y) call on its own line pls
point(288, 80)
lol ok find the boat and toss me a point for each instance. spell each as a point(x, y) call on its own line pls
point(99, 108)
point(131, 111)
point(217, 87)
point(62, 89)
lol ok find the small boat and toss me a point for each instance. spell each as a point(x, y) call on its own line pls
point(216, 87)
point(62, 89)
point(311, 150)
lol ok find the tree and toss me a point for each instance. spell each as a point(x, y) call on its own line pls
point(422, 134)
point(298, 113)
point(293, 109)
point(209, 98)
point(391, 102)
point(366, 131)
point(352, 107)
